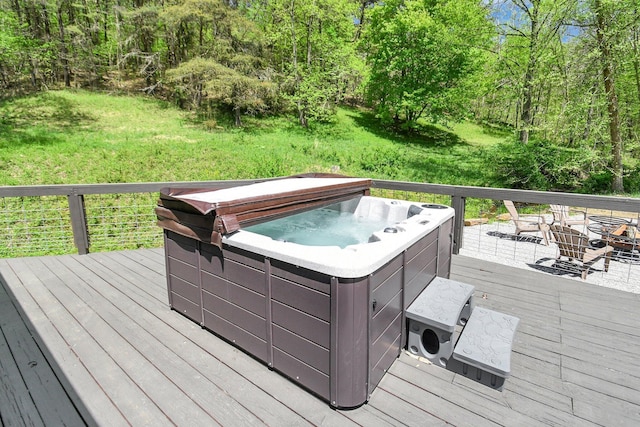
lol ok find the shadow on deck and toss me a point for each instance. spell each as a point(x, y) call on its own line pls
point(90, 339)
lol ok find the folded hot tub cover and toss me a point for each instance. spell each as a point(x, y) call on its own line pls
point(209, 214)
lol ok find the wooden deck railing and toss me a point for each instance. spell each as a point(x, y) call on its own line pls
point(81, 229)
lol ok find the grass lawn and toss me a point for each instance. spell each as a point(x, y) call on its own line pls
point(82, 137)
point(78, 137)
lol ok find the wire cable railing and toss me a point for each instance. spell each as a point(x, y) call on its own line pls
point(52, 220)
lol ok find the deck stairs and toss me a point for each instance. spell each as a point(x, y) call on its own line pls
point(447, 329)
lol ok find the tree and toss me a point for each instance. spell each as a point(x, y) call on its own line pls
point(423, 55)
point(207, 82)
point(538, 25)
point(603, 22)
point(13, 46)
point(313, 51)
point(216, 52)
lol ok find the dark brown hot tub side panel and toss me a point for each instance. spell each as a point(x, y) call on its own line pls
point(320, 331)
point(278, 313)
point(385, 327)
point(183, 271)
point(301, 326)
point(445, 248)
point(234, 297)
point(350, 351)
point(335, 336)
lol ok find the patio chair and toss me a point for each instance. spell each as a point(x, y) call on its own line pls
point(527, 223)
point(562, 215)
point(575, 246)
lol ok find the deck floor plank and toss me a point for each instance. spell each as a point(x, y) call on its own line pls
point(16, 405)
point(405, 413)
point(226, 357)
point(600, 407)
point(183, 359)
point(437, 409)
point(486, 405)
point(73, 372)
point(79, 325)
point(102, 324)
point(578, 348)
point(146, 359)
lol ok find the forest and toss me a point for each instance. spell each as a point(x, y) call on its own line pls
point(562, 76)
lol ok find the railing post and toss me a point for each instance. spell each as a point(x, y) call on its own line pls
point(459, 203)
point(79, 222)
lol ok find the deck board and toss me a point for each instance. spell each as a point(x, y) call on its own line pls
point(98, 331)
point(180, 361)
point(30, 390)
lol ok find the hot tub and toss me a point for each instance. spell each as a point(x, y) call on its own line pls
point(328, 316)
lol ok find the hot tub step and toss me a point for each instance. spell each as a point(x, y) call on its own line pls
point(483, 351)
point(433, 317)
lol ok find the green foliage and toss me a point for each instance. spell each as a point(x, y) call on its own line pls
point(81, 137)
point(313, 52)
point(631, 179)
point(423, 54)
point(570, 103)
point(541, 165)
point(205, 81)
point(388, 161)
point(17, 52)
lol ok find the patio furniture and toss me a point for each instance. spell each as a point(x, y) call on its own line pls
point(623, 235)
point(562, 215)
point(575, 246)
point(528, 223)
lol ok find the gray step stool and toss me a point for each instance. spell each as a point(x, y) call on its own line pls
point(483, 351)
point(433, 317)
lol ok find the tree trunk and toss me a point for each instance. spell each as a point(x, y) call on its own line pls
point(362, 9)
point(612, 99)
point(118, 23)
point(302, 118)
point(63, 49)
point(309, 31)
point(635, 40)
point(526, 115)
point(16, 9)
point(47, 23)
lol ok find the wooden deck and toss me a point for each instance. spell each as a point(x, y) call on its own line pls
point(90, 340)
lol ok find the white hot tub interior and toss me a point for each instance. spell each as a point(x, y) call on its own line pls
point(340, 224)
point(346, 239)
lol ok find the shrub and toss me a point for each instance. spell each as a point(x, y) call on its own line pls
point(383, 162)
point(542, 165)
point(631, 180)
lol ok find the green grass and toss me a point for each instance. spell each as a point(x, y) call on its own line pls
point(77, 137)
point(83, 137)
